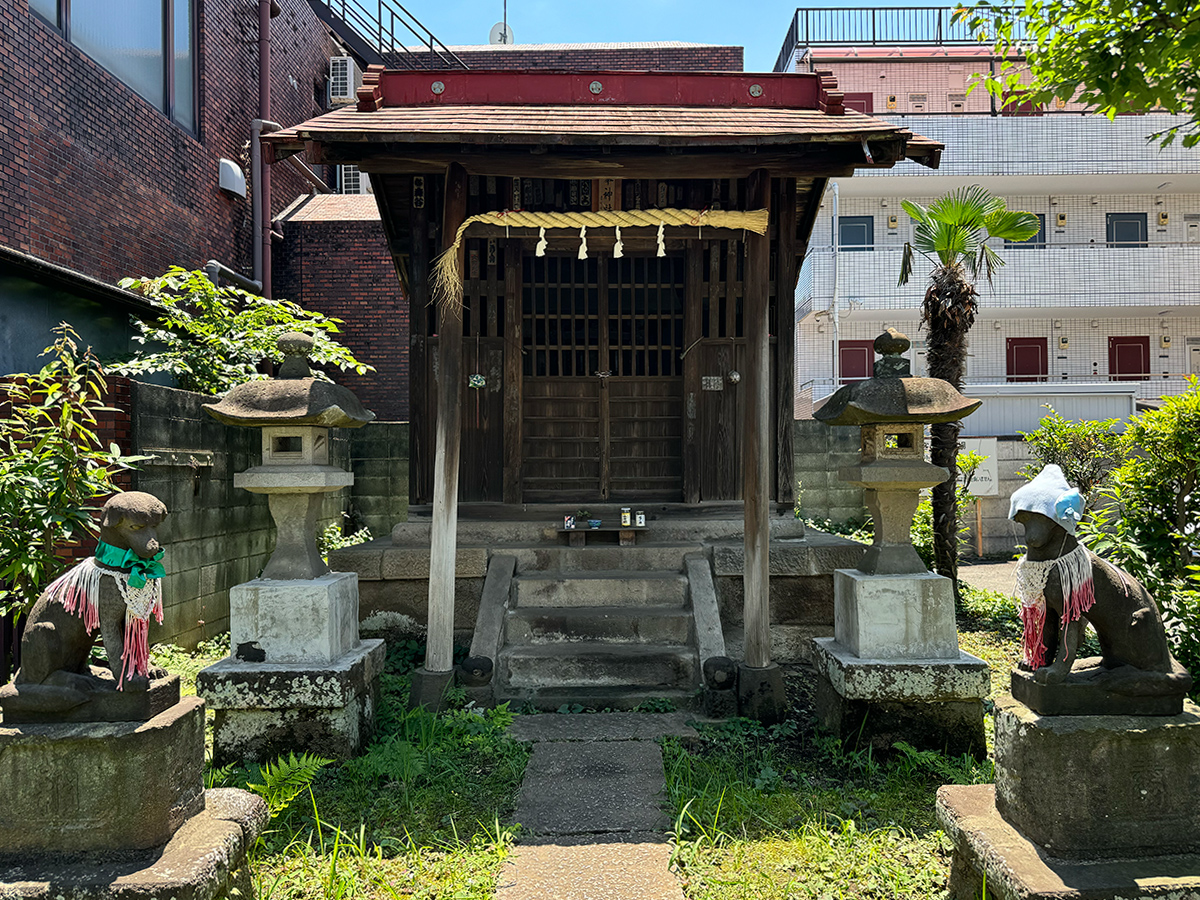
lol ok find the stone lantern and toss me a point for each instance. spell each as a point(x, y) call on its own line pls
point(893, 666)
point(298, 676)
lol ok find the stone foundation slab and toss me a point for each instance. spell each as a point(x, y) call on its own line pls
point(266, 709)
point(930, 704)
point(204, 860)
point(1016, 868)
point(1094, 787)
point(100, 786)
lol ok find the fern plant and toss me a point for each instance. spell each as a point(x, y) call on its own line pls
point(285, 779)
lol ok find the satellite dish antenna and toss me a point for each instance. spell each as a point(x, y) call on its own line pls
point(501, 33)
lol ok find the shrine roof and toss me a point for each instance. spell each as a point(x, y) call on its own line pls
point(646, 109)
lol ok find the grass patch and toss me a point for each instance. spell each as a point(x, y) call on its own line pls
point(421, 814)
point(786, 812)
point(187, 663)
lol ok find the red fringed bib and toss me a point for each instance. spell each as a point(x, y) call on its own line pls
point(1075, 573)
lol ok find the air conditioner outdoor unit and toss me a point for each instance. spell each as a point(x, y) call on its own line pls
point(352, 181)
point(345, 78)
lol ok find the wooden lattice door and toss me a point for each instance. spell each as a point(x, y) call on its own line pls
point(602, 391)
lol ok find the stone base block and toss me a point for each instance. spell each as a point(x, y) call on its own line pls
point(1016, 868)
point(931, 704)
point(267, 709)
point(23, 703)
point(428, 689)
point(894, 616)
point(760, 693)
point(204, 860)
point(100, 786)
point(277, 621)
point(1097, 787)
point(1090, 690)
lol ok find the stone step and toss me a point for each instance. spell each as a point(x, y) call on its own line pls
point(664, 625)
point(641, 558)
point(552, 699)
point(596, 664)
point(599, 588)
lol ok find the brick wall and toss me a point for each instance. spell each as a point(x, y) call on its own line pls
point(97, 179)
point(623, 57)
point(344, 269)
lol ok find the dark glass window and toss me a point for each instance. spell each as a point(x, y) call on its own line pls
point(1037, 242)
point(149, 44)
point(1126, 229)
point(47, 9)
point(856, 232)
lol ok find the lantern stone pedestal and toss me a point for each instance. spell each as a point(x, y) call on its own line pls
point(893, 670)
point(1096, 807)
point(298, 677)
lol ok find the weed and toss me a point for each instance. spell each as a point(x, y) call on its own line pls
point(655, 705)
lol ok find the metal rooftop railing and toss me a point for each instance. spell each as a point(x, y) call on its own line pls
point(381, 32)
point(891, 26)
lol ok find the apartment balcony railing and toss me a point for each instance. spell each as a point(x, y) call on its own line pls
point(1064, 143)
point(1079, 276)
point(894, 26)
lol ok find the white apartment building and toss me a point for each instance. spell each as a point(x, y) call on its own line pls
point(1098, 311)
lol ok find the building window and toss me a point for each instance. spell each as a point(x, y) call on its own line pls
point(856, 232)
point(1126, 229)
point(1037, 242)
point(149, 44)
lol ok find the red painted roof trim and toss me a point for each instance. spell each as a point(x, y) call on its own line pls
point(388, 88)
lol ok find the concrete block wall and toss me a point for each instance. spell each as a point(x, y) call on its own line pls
point(379, 461)
point(1001, 537)
point(819, 451)
point(216, 535)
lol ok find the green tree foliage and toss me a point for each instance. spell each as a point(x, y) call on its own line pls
point(1085, 451)
point(953, 233)
point(53, 466)
point(1150, 524)
point(1113, 56)
point(213, 338)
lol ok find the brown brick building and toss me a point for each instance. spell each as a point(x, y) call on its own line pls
point(109, 163)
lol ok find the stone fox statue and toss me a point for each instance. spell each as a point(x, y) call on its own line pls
point(1061, 585)
point(114, 592)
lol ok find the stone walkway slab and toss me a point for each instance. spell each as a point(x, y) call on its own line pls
point(598, 867)
point(615, 726)
point(592, 787)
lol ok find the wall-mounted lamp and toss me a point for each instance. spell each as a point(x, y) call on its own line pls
point(1054, 201)
point(1158, 200)
point(1058, 323)
point(997, 325)
point(1095, 200)
point(1095, 323)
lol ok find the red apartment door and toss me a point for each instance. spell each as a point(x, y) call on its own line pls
point(1028, 359)
point(856, 360)
point(1128, 358)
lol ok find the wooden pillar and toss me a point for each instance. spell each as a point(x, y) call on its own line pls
point(692, 333)
point(513, 371)
point(443, 538)
point(786, 272)
point(756, 432)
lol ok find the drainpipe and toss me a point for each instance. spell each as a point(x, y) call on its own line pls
point(833, 306)
point(262, 180)
point(215, 270)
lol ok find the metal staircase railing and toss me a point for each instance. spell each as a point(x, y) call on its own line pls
point(382, 32)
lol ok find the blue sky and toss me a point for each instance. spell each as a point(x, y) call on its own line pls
point(758, 26)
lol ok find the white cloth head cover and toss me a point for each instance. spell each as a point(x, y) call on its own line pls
point(1050, 495)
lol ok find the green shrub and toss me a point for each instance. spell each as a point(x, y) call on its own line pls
point(211, 338)
point(53, 466)
point(1086, 451)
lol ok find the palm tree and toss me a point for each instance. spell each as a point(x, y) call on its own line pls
point(953, 233)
